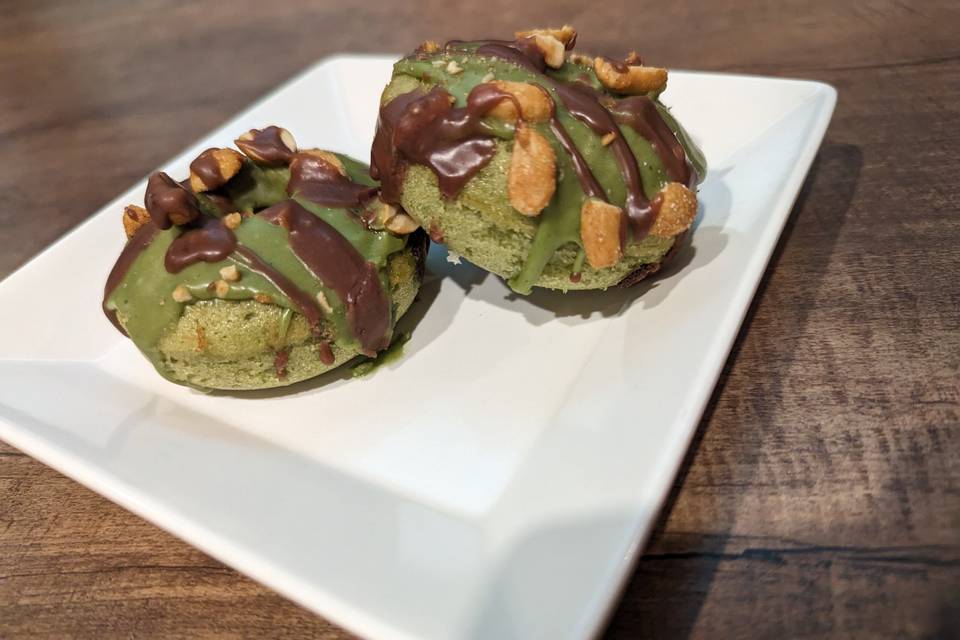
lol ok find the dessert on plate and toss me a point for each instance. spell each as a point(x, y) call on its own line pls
point(267, 266)
point(546, 167)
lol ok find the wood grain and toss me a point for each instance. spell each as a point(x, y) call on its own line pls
point(822, 494)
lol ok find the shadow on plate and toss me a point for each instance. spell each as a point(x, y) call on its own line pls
point(674, 576)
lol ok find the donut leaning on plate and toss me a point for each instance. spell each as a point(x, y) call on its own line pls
point(267, 266)
point(546, 167)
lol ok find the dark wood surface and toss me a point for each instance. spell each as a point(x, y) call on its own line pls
point(821, 496)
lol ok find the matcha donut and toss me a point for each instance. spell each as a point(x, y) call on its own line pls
point(545, 167)
point(264, 268)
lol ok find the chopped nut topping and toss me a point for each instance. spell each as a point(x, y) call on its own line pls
point(531, 180)
point(428, 46)
point(608, 138)
point(272, 146)
point(629, 79)
point(328, 157)
point(565, 34)
point(134, 217)
point(230, 273)
point(382, 213)
point(488, 77)
point(263, 298)
point(232, 220)
point(182, 294)
point(535, 104)
point(600, 224)
point(401, 224)
point(581, 59)
point(453, 68)
point(552, 49)
point(439, 63)
point(169, 202)
point(324, 304)
point(214, 168)
point(677, 207)
point(221, 288)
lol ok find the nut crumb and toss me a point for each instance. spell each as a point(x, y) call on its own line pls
point(222, 288)
point(182, 294)
point(453, 68)
point(263, 298)
point(230, 273)
point(232, 220)
point(324, 304)
point(134, 217)
point(453, 258)
point(608, 138)
point(488, 78)
point(439, 63)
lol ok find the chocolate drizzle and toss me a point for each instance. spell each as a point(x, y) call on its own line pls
point(523, 53)
point(210, 241)
point(640, 113)
point(317, 180)
point(326, 353)
point(131, 251)
point(600, 112)
point(306, 305)
point(336, 263)
point(583, 105)
point(424, 128)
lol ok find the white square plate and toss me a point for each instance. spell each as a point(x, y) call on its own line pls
point(496, 482)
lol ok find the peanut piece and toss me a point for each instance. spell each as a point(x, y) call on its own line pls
point(327, 156)
point(677, 207)
point(228, 162)
point(134, 217)
point(401, 224)
point(531, 180)
point(181, 294)
point(535, 103)
point(634, 80)
point(565, 34)
point(600, 224)
point(552, 49)
point(232, 220)
point(230, 273)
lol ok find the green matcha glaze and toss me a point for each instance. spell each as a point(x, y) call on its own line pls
point(551, 242)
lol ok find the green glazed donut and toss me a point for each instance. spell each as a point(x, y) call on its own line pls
point(545, 167)
point(265, 268)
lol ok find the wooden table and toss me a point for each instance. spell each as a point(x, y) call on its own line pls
point(822, 493)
